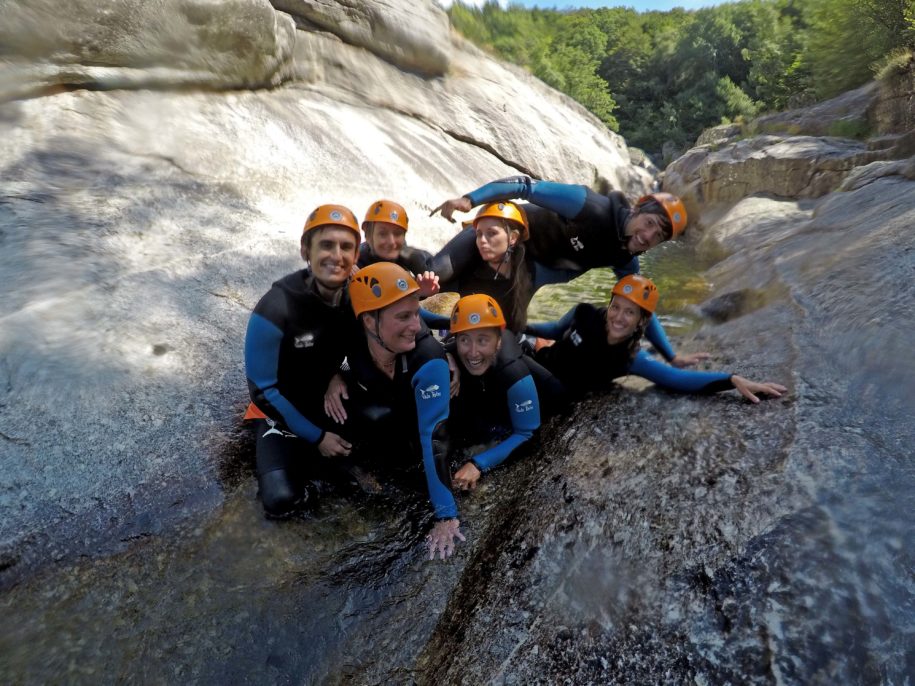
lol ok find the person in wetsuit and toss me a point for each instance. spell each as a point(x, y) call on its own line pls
point(572, 230)
point(498, 401)
point(503, 270)
point(595, 345)
point(293, 346)
point(385, 227)
point(399, 368)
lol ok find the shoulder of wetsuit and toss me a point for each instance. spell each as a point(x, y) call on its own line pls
point(365, 256)
point(415, 260)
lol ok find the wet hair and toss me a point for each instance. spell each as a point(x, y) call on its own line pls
point(520, 277)
point(652, 206)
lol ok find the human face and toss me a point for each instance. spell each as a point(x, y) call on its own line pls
point(478, 348)
point(387, 240)
point(623, 317)
point(331, 252)
point(493, 239)
point(399, 324)
point(644, 231)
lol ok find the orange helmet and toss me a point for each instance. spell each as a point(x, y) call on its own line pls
point(379, 285)
point(386, 211)
point(477, 311)
point(332, 215)
point(506, 210)
point(673, 208)
point(639, 290)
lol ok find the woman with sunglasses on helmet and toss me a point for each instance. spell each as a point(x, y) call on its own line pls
point(572, 230)
point(502, 271)
point(595, 345)
point(385, 227)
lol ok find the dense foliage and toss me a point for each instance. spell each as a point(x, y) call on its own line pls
point(661, 77)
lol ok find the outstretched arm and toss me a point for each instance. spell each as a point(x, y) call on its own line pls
point(552, 330)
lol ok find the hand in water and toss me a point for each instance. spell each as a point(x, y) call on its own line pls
point(441, 538)
point(748, 389)
point(448, 207)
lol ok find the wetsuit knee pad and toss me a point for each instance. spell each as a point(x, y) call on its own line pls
point(279, 493)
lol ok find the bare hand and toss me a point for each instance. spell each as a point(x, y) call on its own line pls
point(333, 446)
point(448, 207)
point(455, 386)
point(466, 477)
point(334, 397)
point(441, 538)
point(428, 284)
point(748, 388)
point(689, 360)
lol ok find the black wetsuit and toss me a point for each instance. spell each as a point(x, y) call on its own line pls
point(484, 279)
point(583, 360)
point(294, 344)
point(411, 410)
point(414, 260)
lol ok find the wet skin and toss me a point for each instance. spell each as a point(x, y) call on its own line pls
point(331, 252)
point(478, 349)
point(623, 316)
point(387, 240)
point(493, 240)
point(644, 232)
point(398, 324)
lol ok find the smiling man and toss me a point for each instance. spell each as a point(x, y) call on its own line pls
point(572, 230)
point(294, 345)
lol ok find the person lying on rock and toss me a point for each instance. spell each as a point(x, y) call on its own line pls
point(572, 230)
point(385, 227)
point(502, 271)
point(591, 346)
point(294, 344)
point(497, 403)
point(398, 379)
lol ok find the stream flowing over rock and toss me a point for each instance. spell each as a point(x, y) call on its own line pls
point(158, 161)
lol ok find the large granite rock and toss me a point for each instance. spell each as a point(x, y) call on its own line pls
point(790, 168)
point(45, 46)
point(138, 228)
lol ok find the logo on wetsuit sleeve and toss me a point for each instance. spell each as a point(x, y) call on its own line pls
point(576, 243)
point(306, 340)
point(526, 406)
point(575, 336)
point(433, 391)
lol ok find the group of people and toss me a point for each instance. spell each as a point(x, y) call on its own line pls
point(346, 375)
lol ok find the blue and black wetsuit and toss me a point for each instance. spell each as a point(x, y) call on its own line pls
point(573, 229)
point(411, 407)
point(583, 360)
point(482, 278)
point(293, 346)
point(412, 259)
point(502, 404)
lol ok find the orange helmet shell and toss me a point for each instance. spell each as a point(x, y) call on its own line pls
point(379, 285)
point(386, 211)
point(639, 290)
point(508, 211)
point(673, 207)
point(332, 215)
point(477, 311)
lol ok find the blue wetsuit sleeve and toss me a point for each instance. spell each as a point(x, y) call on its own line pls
point(567, 200)
point(430, 391)
point(682, 380)
point(654, 332)
point(262, 361)
point(631, 267)
point(552, 330)
point(524, 410)
point(435, 321)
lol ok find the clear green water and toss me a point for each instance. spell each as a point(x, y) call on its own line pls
point(673, 267)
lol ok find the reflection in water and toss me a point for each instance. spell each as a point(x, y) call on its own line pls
point(673, 267)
